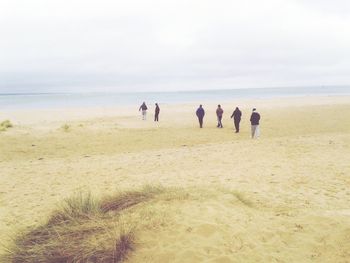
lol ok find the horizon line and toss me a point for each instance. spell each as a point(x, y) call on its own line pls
point(168, 91)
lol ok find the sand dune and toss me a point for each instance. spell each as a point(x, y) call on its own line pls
point(282, 198)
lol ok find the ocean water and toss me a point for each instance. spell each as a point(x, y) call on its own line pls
point(74, 100)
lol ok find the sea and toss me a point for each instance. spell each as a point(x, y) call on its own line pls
point(9, 101)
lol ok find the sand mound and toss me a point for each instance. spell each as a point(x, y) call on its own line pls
point(82, 230)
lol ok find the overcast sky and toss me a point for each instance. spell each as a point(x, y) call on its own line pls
point(141, 45)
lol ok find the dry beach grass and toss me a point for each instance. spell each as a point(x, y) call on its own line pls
point(225, 198)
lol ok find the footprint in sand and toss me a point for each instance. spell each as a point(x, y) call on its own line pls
point(206, 230)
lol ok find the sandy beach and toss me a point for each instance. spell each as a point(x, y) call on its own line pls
point(281, 198)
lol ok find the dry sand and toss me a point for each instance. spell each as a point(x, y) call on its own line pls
point(282, 198)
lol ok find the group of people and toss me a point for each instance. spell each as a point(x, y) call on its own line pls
point(236, 115)
point(144, 108)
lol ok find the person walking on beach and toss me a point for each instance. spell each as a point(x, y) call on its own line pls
point(254, 120)
point(143, 107)
point(236, 115)
point(219, 113)
point(156, 113)
point(200, 114)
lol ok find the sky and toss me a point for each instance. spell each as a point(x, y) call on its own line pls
point(165, 45)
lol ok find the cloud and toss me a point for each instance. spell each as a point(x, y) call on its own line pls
point(155, 45)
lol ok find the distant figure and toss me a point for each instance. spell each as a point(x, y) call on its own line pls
point(143, 107)
point(200, 114)
point(156, 113)
point(237, 114)
point(254, 120)
point(219, 112)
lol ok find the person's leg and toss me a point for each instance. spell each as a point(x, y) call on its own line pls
point(237, 125)
point(220, 121)
point(257, 131)
point(253, 130)
point(200, 122)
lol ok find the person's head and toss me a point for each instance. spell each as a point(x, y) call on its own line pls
point(156, 104)
point(143, 102)
point(237, 108)
point(254, 109)
point(219, 106)
point(200, 106)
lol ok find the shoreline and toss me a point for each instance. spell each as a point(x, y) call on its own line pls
point(90, 100)
point(36, 115)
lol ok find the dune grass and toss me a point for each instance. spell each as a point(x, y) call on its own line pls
point(128, 199)
point(82, 229)
point(65, 127)
point(5, 125)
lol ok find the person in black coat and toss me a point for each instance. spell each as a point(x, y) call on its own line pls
point(200, 114)
point(156, 113)
point(255, 121)
point(236, 115)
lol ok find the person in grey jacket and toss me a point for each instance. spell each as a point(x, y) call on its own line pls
point(219, 113)
point(143, 107)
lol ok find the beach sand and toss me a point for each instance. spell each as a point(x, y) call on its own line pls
point(281, 198)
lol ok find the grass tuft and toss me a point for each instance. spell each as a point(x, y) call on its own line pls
point(66, 127)
point(79, 206)
point(123, 245)
point(5, 125)
point(82, 230)
point(125, 200)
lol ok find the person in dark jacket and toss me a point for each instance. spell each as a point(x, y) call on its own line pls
point(200, 114)
point(156, 113)
point(219, 113)
point(255, 121)
point(236, 115)
point(143, 107)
